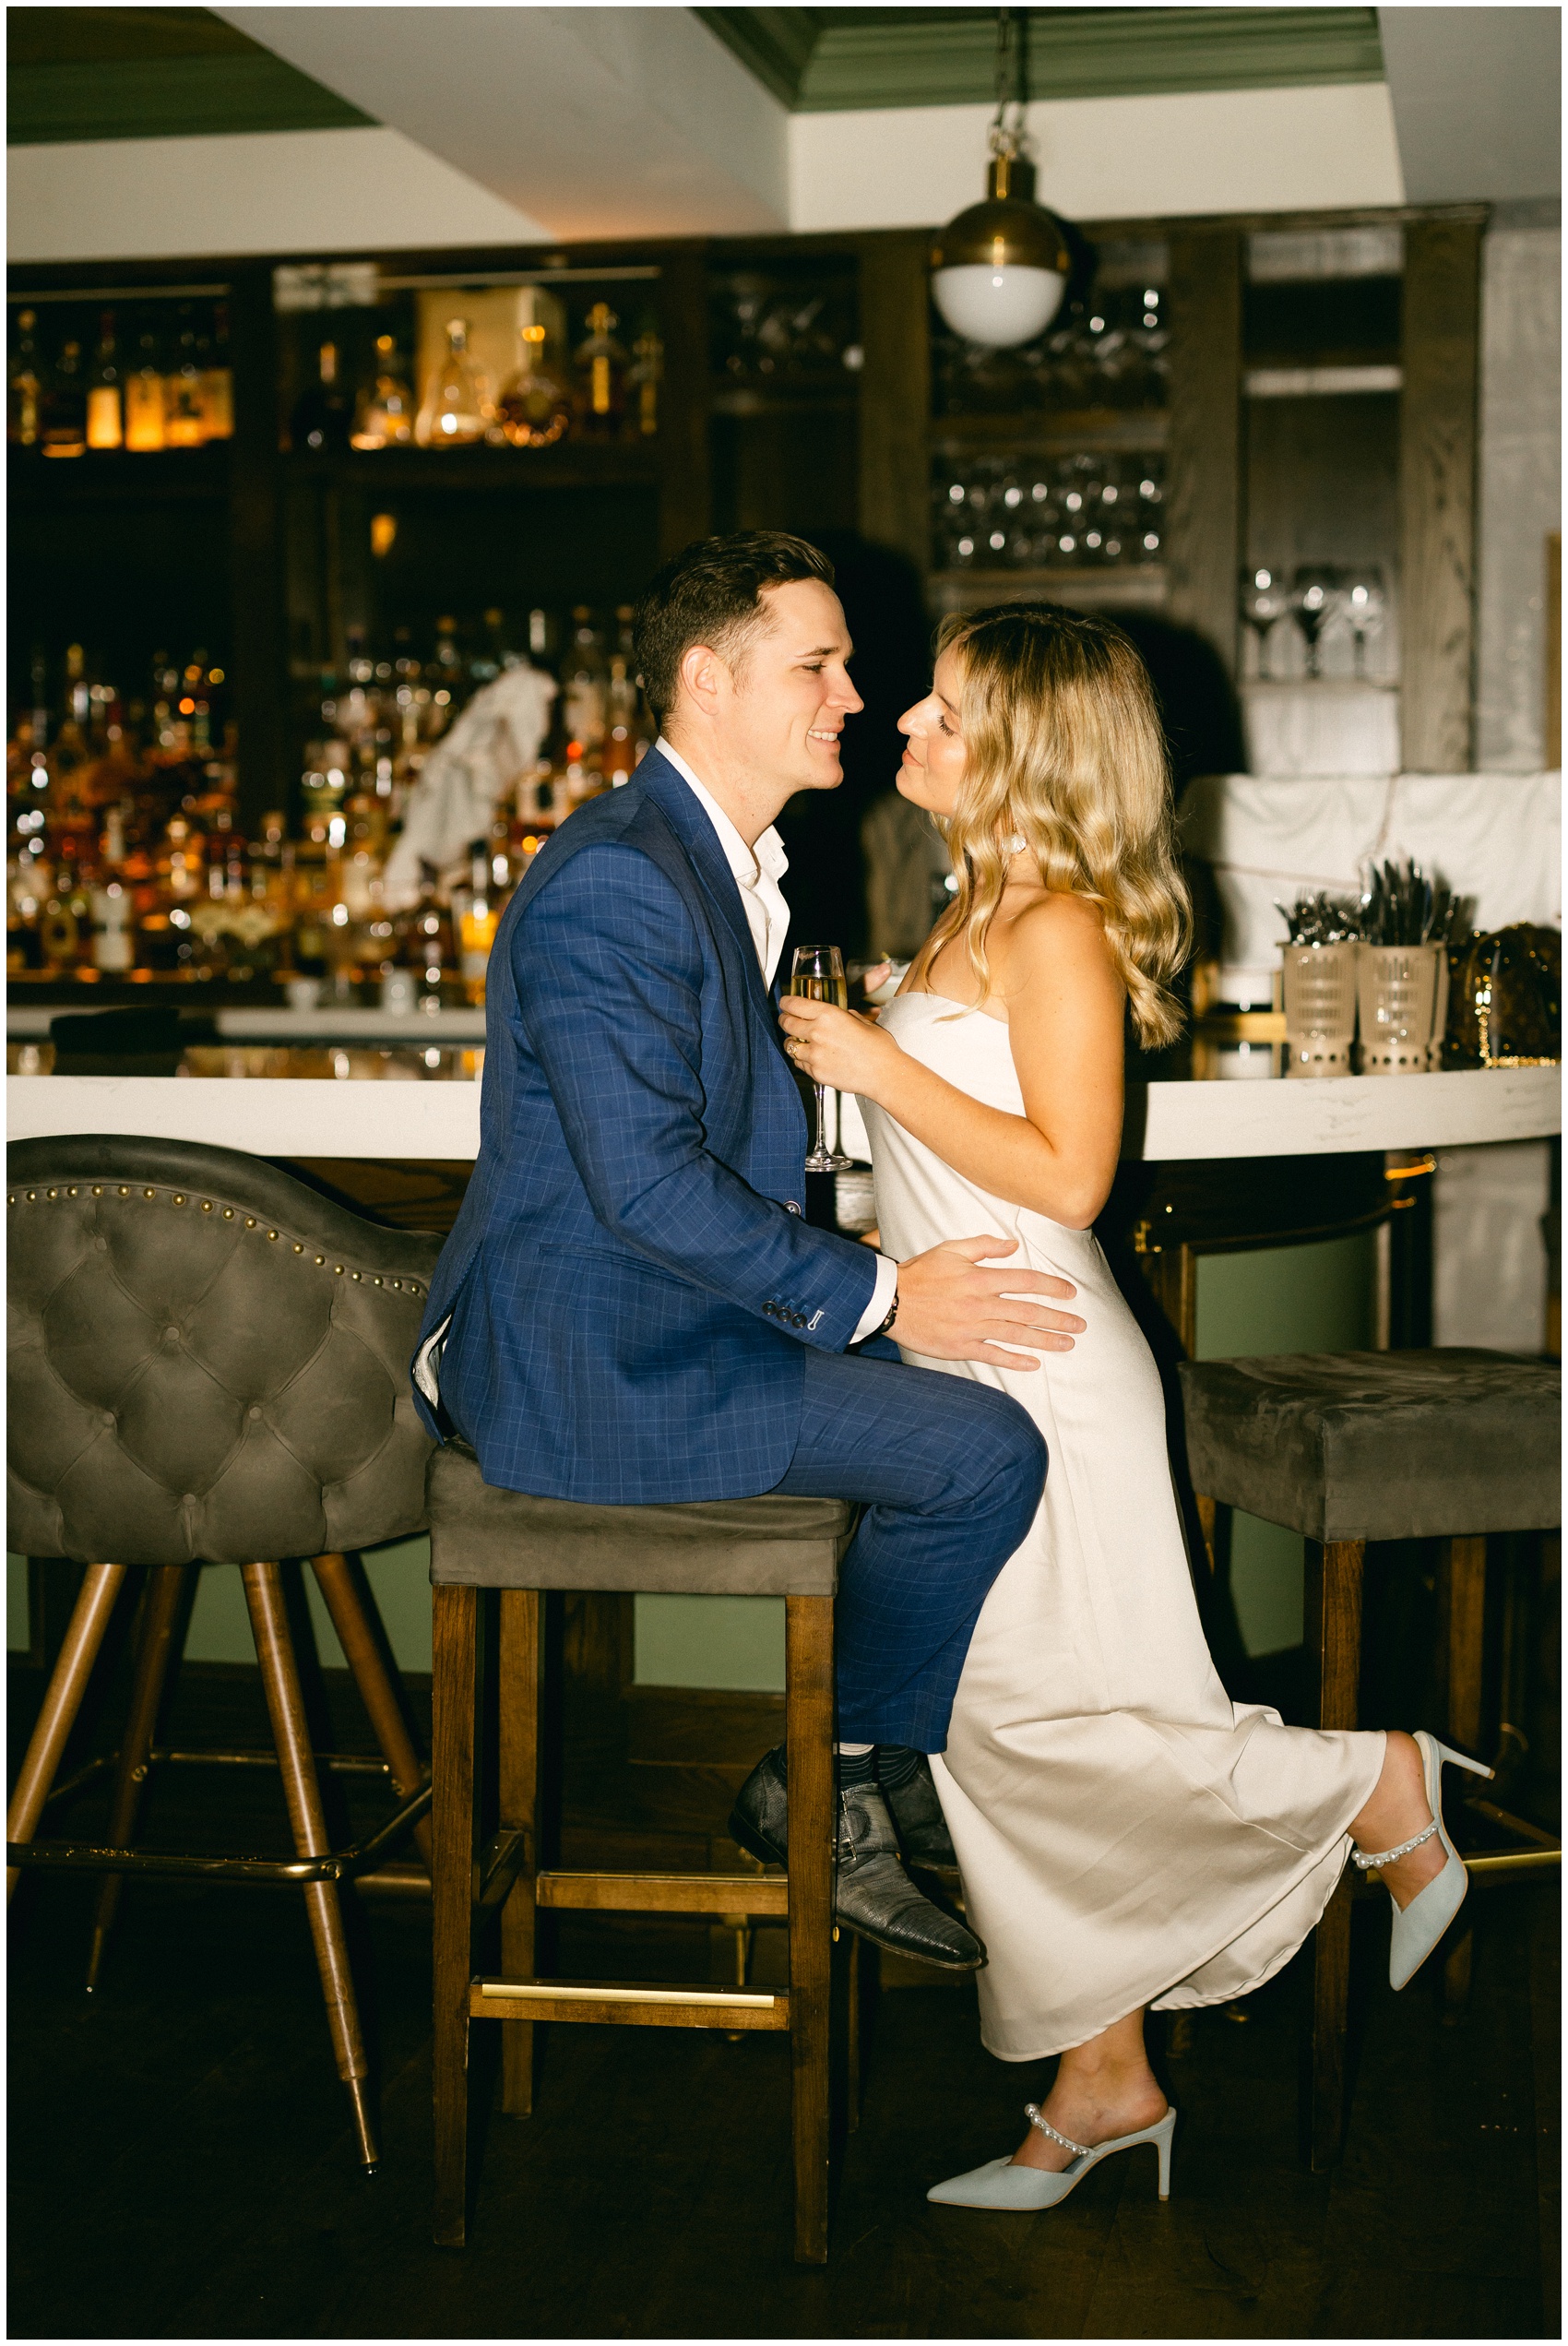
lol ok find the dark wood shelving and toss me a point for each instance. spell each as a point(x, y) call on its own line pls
point(1111, 429)
point(113, 474)
point(570, 464)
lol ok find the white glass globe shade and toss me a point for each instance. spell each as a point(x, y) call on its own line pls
point(1000, 307)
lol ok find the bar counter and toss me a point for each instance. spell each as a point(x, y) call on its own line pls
point(1184, 1121)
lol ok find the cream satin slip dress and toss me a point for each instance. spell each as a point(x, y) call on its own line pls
point(1126, 1834)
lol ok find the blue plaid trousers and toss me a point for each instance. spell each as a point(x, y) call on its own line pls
point(950, 1474)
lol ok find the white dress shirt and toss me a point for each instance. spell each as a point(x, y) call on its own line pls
point(758, 872)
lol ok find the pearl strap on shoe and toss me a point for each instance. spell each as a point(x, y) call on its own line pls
point(1387, 1856)
point(1079, 2149)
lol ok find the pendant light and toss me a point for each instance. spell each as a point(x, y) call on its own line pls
point(999, 269)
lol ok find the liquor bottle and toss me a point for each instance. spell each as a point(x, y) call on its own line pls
point(542, 640)
point(105, 419)
point(476, 918)
point(23, 385)
point(323, 414)
point(63, 412)
point(535, 406)
point(113, 935)
point(622, 702)
point(453, 415)
point(586, 682)
point(646, 375)
point(218, 379)
point(602, 375)
point(385, 417)
point(184, 418)
point(144, 398)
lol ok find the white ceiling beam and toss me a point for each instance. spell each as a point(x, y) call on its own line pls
point(1477, 99)
point(597, 122)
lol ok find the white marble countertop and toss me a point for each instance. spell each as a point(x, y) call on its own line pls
point(30, 1022)
point(297, 1117)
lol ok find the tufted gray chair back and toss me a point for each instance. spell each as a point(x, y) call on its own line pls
point(206, 1360)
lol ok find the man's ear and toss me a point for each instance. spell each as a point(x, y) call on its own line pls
point(704, 679)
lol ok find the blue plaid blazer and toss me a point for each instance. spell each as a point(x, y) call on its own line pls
point(630, 1280)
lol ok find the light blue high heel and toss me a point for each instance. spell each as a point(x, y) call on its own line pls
point(1418, 1926)
point(999, 2184)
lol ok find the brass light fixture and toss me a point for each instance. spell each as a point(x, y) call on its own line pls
point(999, 269)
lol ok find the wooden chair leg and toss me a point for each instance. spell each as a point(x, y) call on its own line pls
point(454, 1689)
point(1334, 1577)
point(301, 1793)
point(518, 1758)
point(1462, 1604)
point(1209, 1518)
point(809, 1743)
point(62, 1702)
point(351, 1606)
point(166, 1587)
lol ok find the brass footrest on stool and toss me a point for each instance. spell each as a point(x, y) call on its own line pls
point(637, 2002)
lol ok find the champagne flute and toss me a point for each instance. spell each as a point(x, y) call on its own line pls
point(1263, 604)
point(817, 974)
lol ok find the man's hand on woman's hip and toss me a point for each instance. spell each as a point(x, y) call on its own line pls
point(949, 1309)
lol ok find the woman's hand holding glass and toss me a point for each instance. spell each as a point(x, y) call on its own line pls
point(836, 1047)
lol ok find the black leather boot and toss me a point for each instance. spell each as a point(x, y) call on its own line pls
point(923, 1837)
point(872, 1893)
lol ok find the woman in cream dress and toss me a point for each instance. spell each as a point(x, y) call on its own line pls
point(1127, 1836)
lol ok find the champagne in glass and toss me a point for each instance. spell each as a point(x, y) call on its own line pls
point(817, 975)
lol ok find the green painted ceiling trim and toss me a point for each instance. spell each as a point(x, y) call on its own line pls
point(775, 44)
point(828, 60)
point(151, 73)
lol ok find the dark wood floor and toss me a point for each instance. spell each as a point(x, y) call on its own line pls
point(181, 2163)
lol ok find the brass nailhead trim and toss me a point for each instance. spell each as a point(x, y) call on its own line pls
point(150, 1193)
point(250, 1222)
point(52, 1192)
point(32, 1196)
point(98, 1189)
point(123, 1191)
point(207, 1204)
point(178, 1198)
point(298, 1248)
point(272, 1233)
point(228, 1213)
point(320, 1259)
point(72, 1191)
point(354, 1274)
point(336, 1270)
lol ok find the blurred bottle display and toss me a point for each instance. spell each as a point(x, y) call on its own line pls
point(144, 398)
point(23, 384)
point(384, 417)
point(455, 410)
point(62, 411)
point(218, 379)
point(601, 366)
point(105, 406)
point(324, 412)
point(535, 406)
point(184, 415)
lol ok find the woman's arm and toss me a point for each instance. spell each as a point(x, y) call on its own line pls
point(1065, 1005)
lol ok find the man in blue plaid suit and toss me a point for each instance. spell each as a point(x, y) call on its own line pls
point(632, 1308)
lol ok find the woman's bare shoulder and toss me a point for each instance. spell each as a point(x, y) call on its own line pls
point(1057, 935)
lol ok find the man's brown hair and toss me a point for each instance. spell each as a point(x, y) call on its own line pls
point(711, 594)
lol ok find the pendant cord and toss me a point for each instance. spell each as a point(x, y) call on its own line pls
point(1012, 81)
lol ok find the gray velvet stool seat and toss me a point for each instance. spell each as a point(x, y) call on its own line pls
point(209, 1367)
point(1350, 1448)
point(493, 1554)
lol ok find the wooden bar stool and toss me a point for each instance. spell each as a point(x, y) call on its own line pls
point(483, 1541)
point(208, 1368)
point(1353, 1448)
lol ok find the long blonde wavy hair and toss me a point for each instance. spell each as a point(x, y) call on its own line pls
point(1064, 750)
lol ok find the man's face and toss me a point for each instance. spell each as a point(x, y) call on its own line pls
point(785, 713)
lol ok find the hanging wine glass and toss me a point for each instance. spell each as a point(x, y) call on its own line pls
point(1314, 598)
point(1263, 604)
point(1364, 603)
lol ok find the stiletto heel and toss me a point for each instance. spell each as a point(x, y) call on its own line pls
point(999, 2184)
point(1418, 1926)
